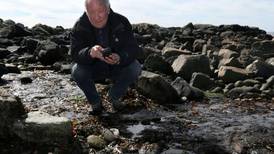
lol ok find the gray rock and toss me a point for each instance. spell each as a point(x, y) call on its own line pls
point(108, 135)
point(261, 69)
point(12, 68)
point(11, 30)
point(11, 109)
point(270, 61)
point(185, 90)
point(40, 127)
point(49, 52)
point(232, 74)
point(185, 66)
point(201, 81)
point(269, 83)
point(264, 49)
point(96, 141)
point(227, 54)
point(198, 45)
point(154, 86)
point(169, 52)
point(156, 63)
point(242, 91)
point(230, 62)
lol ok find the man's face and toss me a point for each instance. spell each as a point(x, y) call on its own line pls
point(97, 14)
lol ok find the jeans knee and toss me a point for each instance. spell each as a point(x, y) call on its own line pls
point(134, 70)
point(79, 74)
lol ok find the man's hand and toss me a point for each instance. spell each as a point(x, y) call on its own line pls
point(112, 59)
point(96, 52)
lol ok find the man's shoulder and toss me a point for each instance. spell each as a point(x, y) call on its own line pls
point(119, 16)
point(118, 20)
point(82, 22)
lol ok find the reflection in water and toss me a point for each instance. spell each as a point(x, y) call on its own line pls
point(137, 129)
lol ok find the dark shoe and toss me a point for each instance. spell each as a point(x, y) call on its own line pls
point(96, 109)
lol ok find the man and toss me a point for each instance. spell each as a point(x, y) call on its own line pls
point(98, 28)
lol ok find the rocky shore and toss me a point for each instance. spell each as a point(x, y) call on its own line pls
point(204, 89)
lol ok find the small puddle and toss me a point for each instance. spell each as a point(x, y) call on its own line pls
point(137, 129)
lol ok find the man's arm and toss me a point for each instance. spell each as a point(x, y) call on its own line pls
point(130, 49)
point(80, 47)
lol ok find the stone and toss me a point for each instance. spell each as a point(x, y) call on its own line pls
point(232, 74)
point(11, 110)
point(96, 141)
point(154, 86)
point(184, 66)
point(50, 129)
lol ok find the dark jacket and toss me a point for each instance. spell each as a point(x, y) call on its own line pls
point(121, 39)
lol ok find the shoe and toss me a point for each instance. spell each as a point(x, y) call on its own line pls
point(96, 109)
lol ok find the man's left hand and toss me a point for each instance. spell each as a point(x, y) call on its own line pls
point(112, 59)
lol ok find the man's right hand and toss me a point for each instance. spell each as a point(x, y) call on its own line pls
point(96, 52)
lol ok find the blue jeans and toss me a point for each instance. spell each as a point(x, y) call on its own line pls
point(122, 77)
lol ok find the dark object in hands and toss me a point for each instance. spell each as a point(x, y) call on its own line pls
point(107, 52)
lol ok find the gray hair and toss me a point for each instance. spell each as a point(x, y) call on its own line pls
point(105, 2)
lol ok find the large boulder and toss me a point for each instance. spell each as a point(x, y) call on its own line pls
point(185, 90)
point(43, 128)
point(49, 52)
point(261, 69)
point(156, 63)
point(201, 81)
point(11, 30)
point(11, 109)
point(154, 86)
point(264, 49)
point(232, 74)
point(185, 66)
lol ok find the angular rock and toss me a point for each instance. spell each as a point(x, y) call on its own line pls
point(12, 68)
point(269, 83)
point(170, 52)
point(264, 49)
point(201, 81)
point(232, 74)
point(50, 129)
point(227, 54)
point(198, 45)
point(11, 109)
point(30, 44)
point(261, 69)
point(155, 63)
point(49, 52)
point(11, 30)
point(154, 86)
point(230, 62)
point(185, 90)
point(185, 66)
